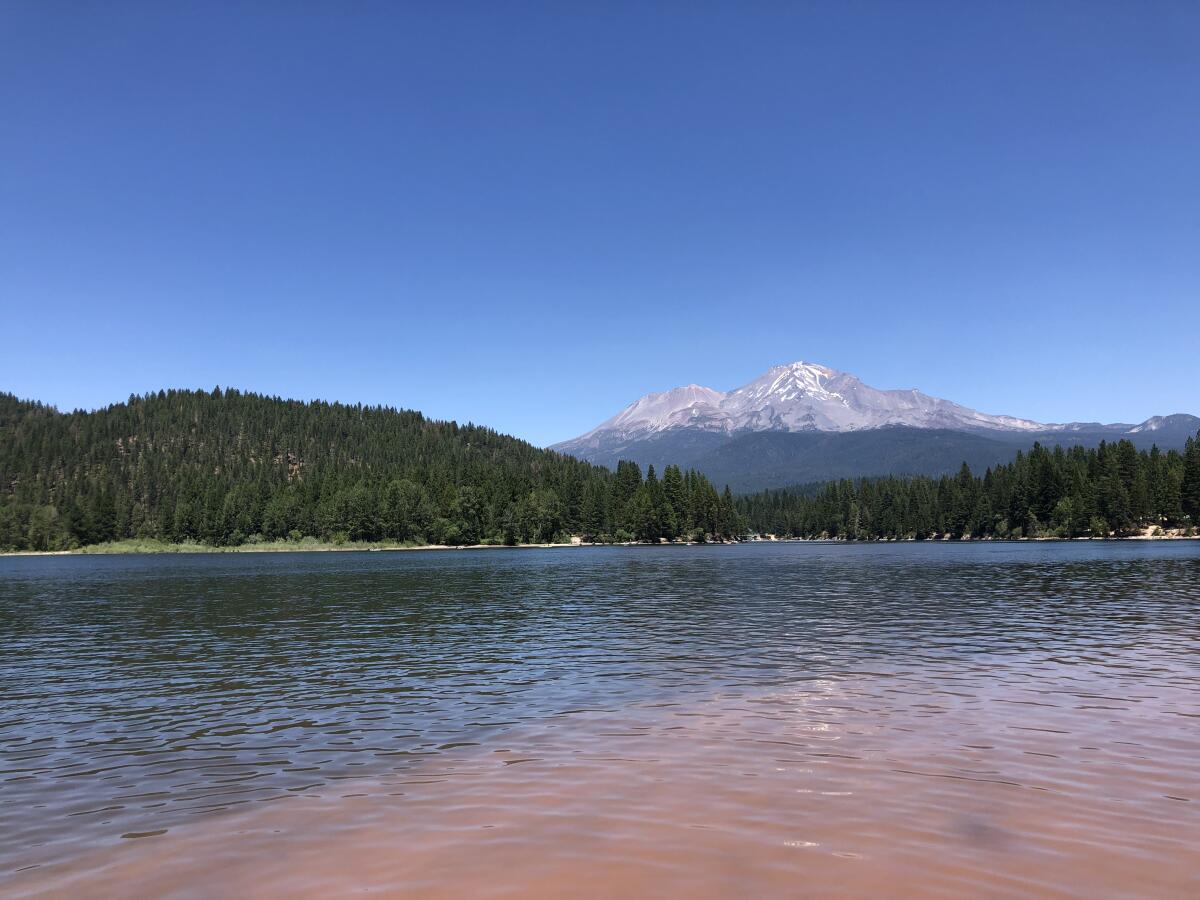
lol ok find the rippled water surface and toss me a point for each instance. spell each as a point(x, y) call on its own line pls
point(787, 720)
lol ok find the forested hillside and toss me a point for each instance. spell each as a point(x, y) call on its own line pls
point(226, 468)
point(1112, 489)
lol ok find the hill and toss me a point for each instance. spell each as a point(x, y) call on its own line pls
point(226, 468)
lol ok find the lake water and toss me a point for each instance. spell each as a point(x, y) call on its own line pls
point(757, 720)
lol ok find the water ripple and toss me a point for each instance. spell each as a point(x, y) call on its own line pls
point(140, 693)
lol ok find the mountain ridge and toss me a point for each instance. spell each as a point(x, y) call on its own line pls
point(804, 396)
point(814, 410)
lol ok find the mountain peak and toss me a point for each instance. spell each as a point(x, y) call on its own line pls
point(802, 367)
point(791, 380)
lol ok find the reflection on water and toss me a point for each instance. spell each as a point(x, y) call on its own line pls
point(997, 719)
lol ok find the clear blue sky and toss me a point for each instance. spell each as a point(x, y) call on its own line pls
point(527, 215)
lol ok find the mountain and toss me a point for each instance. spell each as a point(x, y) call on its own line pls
point(796, 397)
point(804, 422)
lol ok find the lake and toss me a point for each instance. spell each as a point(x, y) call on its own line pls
point(755, 720)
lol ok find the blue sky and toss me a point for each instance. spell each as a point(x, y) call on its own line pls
point(527, 215)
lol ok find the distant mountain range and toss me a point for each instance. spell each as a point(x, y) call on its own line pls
point(803, 422)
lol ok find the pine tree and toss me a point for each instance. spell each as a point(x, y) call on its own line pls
point(675, 513)
point(594, 513)
point(1189, 488)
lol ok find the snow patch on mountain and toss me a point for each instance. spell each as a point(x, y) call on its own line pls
point(1158, 423)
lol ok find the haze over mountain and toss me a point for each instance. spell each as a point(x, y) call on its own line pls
point(802, 422)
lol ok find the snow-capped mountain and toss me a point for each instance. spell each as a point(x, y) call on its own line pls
point(799, 396)
point(813, 407)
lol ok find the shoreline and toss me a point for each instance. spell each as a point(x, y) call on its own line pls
point(188, 549)
point(1022, 540)
point(185, 549)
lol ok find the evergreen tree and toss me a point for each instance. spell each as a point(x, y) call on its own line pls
point(1189, 488)
point(625, 487)
point(595, 510)
point(675, 498)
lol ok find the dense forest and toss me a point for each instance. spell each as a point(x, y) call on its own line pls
point(1114, 489)
point(227, 468)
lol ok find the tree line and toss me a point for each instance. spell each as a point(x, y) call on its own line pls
point(227, 467)
point(1110, 490)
